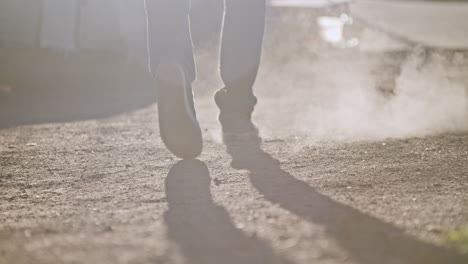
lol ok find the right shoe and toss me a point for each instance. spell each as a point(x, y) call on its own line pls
point(235, 116)
point(178, 123)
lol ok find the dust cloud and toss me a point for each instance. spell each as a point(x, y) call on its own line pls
point(309, 90)
point(337, 98)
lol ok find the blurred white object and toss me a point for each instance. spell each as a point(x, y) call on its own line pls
point(438, 24)
point(331, 31)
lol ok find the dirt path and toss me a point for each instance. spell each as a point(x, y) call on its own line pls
point(106, 191)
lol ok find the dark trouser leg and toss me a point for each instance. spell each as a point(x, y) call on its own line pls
point(169, 38)
point(241, 46)
point(242, 39)
point(169, 35)
point(172, 63)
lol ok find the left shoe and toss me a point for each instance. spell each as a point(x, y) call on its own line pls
point(178, 123)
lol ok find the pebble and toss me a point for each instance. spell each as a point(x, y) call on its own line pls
point(27, 233)
point(434, 229)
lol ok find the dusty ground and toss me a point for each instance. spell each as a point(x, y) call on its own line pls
point(105, 190)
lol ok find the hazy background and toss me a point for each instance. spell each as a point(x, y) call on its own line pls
point(309, 89)
point(305, 87)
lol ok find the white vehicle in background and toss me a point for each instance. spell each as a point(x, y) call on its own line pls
point(393, 28)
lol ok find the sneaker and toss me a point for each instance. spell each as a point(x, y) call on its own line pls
point(178, 123)
point(235, 116)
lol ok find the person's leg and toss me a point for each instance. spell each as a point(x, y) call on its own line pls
point(169, 35)
point(241, 46)
point(172, 64)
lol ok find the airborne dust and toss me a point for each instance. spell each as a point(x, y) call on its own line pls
point(310, 90)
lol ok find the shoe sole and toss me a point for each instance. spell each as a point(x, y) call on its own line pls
point(178, 126)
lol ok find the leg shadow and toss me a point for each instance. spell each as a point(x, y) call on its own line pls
point(203, 229)
point(367, 239)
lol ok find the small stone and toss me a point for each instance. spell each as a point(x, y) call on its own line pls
point(58, 191)
point(434, 229)
point(31, 144)
point(240, 226)
point(27, 233)
point(217, 181)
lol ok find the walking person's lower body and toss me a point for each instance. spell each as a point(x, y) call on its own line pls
point(172, 63)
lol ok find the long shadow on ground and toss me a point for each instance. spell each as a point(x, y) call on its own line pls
point(44, 86)
point(204, 230)
point(367, 239)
